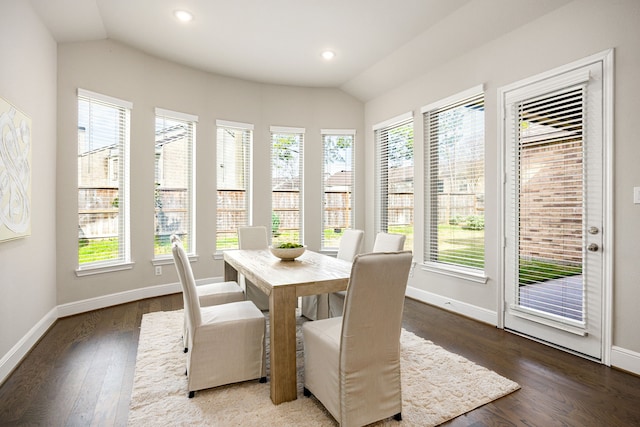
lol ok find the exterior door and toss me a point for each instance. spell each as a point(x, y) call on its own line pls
point(553, 209)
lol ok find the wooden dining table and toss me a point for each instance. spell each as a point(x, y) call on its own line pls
point(284, 281)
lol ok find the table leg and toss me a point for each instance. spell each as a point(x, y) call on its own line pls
point(282, 315)
point(230, 273)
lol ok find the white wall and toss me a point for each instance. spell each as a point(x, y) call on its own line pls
point(116, 70)
point(577, 30)
point(28, 265)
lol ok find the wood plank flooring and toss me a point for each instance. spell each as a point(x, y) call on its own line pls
point(81, 373)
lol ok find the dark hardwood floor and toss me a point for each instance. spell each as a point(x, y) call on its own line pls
point(81, 373)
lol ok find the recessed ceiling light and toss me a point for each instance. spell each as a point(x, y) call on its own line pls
point(328, 54)
point(183, 15)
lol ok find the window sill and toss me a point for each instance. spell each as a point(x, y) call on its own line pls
point(468, 274)
point(168, 260)
point(100, 269)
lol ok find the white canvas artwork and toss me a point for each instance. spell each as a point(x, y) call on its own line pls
point(15, 172)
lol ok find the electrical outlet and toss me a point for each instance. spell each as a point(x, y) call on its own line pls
point(158, 270)
point(636, 195)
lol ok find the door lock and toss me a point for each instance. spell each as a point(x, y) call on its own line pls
point(593, 247)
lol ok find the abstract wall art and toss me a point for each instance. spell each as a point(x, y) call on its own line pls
point(15, 172)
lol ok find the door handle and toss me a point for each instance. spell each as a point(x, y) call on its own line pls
point(593, 247)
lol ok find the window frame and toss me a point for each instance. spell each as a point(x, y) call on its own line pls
point(428, 264)
point(247, 140)
point(123, 109)
point(300, 133)
point(351, 133)
point(381, 131)
point(191, 121)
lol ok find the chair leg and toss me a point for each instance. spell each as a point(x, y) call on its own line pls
point(398, 416)
point(306, 392)
point(191, 394)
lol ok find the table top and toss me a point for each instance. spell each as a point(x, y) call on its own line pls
point(311, 273)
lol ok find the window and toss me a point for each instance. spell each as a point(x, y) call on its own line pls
point(394, 180)
point(173, 193)
point(233, 164)
point(454, 180)
point(286, 184)
point(103, 181)
point(337, 182)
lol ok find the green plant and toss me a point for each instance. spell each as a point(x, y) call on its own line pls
point(455, 220)
point(474, 222)
point(289, 245)
point(275, 224)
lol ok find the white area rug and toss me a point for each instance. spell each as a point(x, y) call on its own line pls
point(436, 386)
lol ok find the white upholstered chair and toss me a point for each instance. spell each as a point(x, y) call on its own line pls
point(320, 307)
point(352, 362)
point(226, 340)
point(211, 294)
point(253, 237)
point(388, 242)
point(384, 242)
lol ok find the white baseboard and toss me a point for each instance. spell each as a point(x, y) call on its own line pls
point(96, 303)
point(78, 307)
point(480, 314)
point(621, 358)
point(626, 360)
point(13, 358)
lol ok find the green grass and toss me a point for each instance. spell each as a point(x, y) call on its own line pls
point(460, 246)
point(97, 250)
point(536, 271)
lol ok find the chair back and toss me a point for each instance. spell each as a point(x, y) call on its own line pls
point(350, 244)
point(253, 237)
point(371, 327)
point(389, 242)
point(191, 300)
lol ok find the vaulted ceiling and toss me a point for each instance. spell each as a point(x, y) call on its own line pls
point(378, 44)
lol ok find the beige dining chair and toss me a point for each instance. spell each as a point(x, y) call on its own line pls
point(388, 242)
point(319, 306)
point(352, 362)
point(227, 340)
point(213, 293)
point(384, 242)
point(253, 237)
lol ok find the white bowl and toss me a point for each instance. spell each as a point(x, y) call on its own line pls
point(287, 254)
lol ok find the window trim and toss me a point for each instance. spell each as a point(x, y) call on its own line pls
point(382, 197)
point(337, 132)
point(477, 275)
point(296, 131)
point(248, 166)
point(193, 121)
point(125, 262)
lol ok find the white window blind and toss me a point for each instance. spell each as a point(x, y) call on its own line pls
point(286, 184)
point(233, 174)
point(174, 183)
point(103, 180)
point(394, 177)
point(337, 180)
point(454, 181)
point(548, 158)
